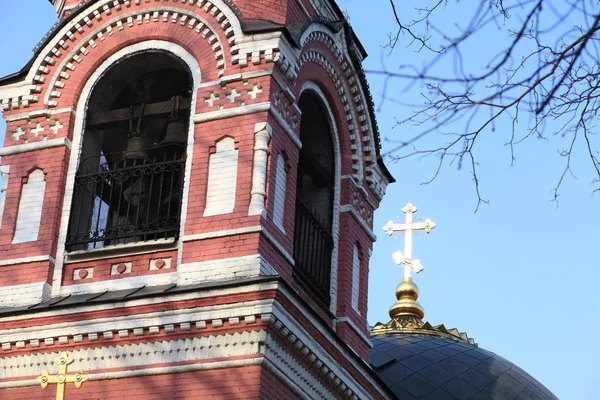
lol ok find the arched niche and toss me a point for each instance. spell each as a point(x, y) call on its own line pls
point(128, 186)
point(315, 198)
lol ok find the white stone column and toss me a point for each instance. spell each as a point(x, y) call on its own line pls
point(262, 136)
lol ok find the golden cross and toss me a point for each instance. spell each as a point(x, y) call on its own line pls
point(62, 378)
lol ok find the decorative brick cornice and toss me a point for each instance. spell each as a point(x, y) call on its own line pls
point(89, 21)
point(193, 340)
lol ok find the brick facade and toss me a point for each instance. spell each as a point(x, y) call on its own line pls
point(237, 216)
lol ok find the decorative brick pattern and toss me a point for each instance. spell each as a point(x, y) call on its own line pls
point(160, 264)
point(83, 273)
point(121, 268)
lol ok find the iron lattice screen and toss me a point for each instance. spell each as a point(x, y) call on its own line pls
point(126, 201)
point(312, 253)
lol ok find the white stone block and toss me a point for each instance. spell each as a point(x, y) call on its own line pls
point(29, 215)
point(280, 190)
point(222, 178)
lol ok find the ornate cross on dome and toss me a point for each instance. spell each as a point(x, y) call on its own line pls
point(408, 227)
point(62, 378)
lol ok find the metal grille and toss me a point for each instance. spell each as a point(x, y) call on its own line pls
point(312, 252)
point(126, 201)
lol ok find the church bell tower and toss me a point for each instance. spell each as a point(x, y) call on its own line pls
point(188, 200)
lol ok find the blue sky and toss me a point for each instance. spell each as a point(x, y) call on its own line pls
point(520, 275)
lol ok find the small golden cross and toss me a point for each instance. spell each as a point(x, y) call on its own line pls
point(62, 378)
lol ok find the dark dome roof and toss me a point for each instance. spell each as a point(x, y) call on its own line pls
point(431, 367)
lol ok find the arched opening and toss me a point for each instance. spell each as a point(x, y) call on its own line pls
point(313, 241)
point(129, 182)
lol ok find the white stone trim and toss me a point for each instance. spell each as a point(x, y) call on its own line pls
point(235, 344)
point(258, 194)
point(23, 295)
point(44, 144)
point(211, 314)
point(335, 226)
point(4, 176)
point(231, 112)
point(223, 269)
point(223, 233)
point(120, 250)
point(280, 192)
point(79, 128)
point(38, 113)
point(209, 292)
point(221, 187)
point(349, 208)
point(356, 267)
point(133, 282)
point(24, 260)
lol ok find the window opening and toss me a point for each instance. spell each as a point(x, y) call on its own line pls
point(129, 183)
point(313, 241)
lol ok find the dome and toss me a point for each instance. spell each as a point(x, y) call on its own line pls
point(417, 360)
point(431, 367)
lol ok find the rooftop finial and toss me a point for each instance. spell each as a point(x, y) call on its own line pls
point(407, 292)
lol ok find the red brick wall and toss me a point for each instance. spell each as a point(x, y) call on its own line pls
point(228, 383)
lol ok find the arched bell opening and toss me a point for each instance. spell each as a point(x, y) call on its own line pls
point(313, 241)
point(129, 182)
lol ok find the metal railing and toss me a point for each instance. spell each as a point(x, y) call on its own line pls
point(126, 201)
point(313, 244)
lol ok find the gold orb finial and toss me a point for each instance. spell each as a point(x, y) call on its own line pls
point(407, 293)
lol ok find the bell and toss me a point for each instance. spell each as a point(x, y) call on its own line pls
point(176, 134)
point(135, 149)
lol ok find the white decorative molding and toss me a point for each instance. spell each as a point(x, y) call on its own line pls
point(25, 260)
point(4, 175)
point(158, 264)
point(355, 278)
point(121, 268)
point(44, 144)
point(280, 192)
point(231, 112)
point(222, 233)
point(236, 344)
point(29, 216)
point(38, 113)
point(23, 295)
point(194, 348)
point(222, 178)
point(133, 282)
point(223, 269)
point(262, 137)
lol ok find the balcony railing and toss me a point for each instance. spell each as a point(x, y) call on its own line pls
point(312, 253)
point(126, 201)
